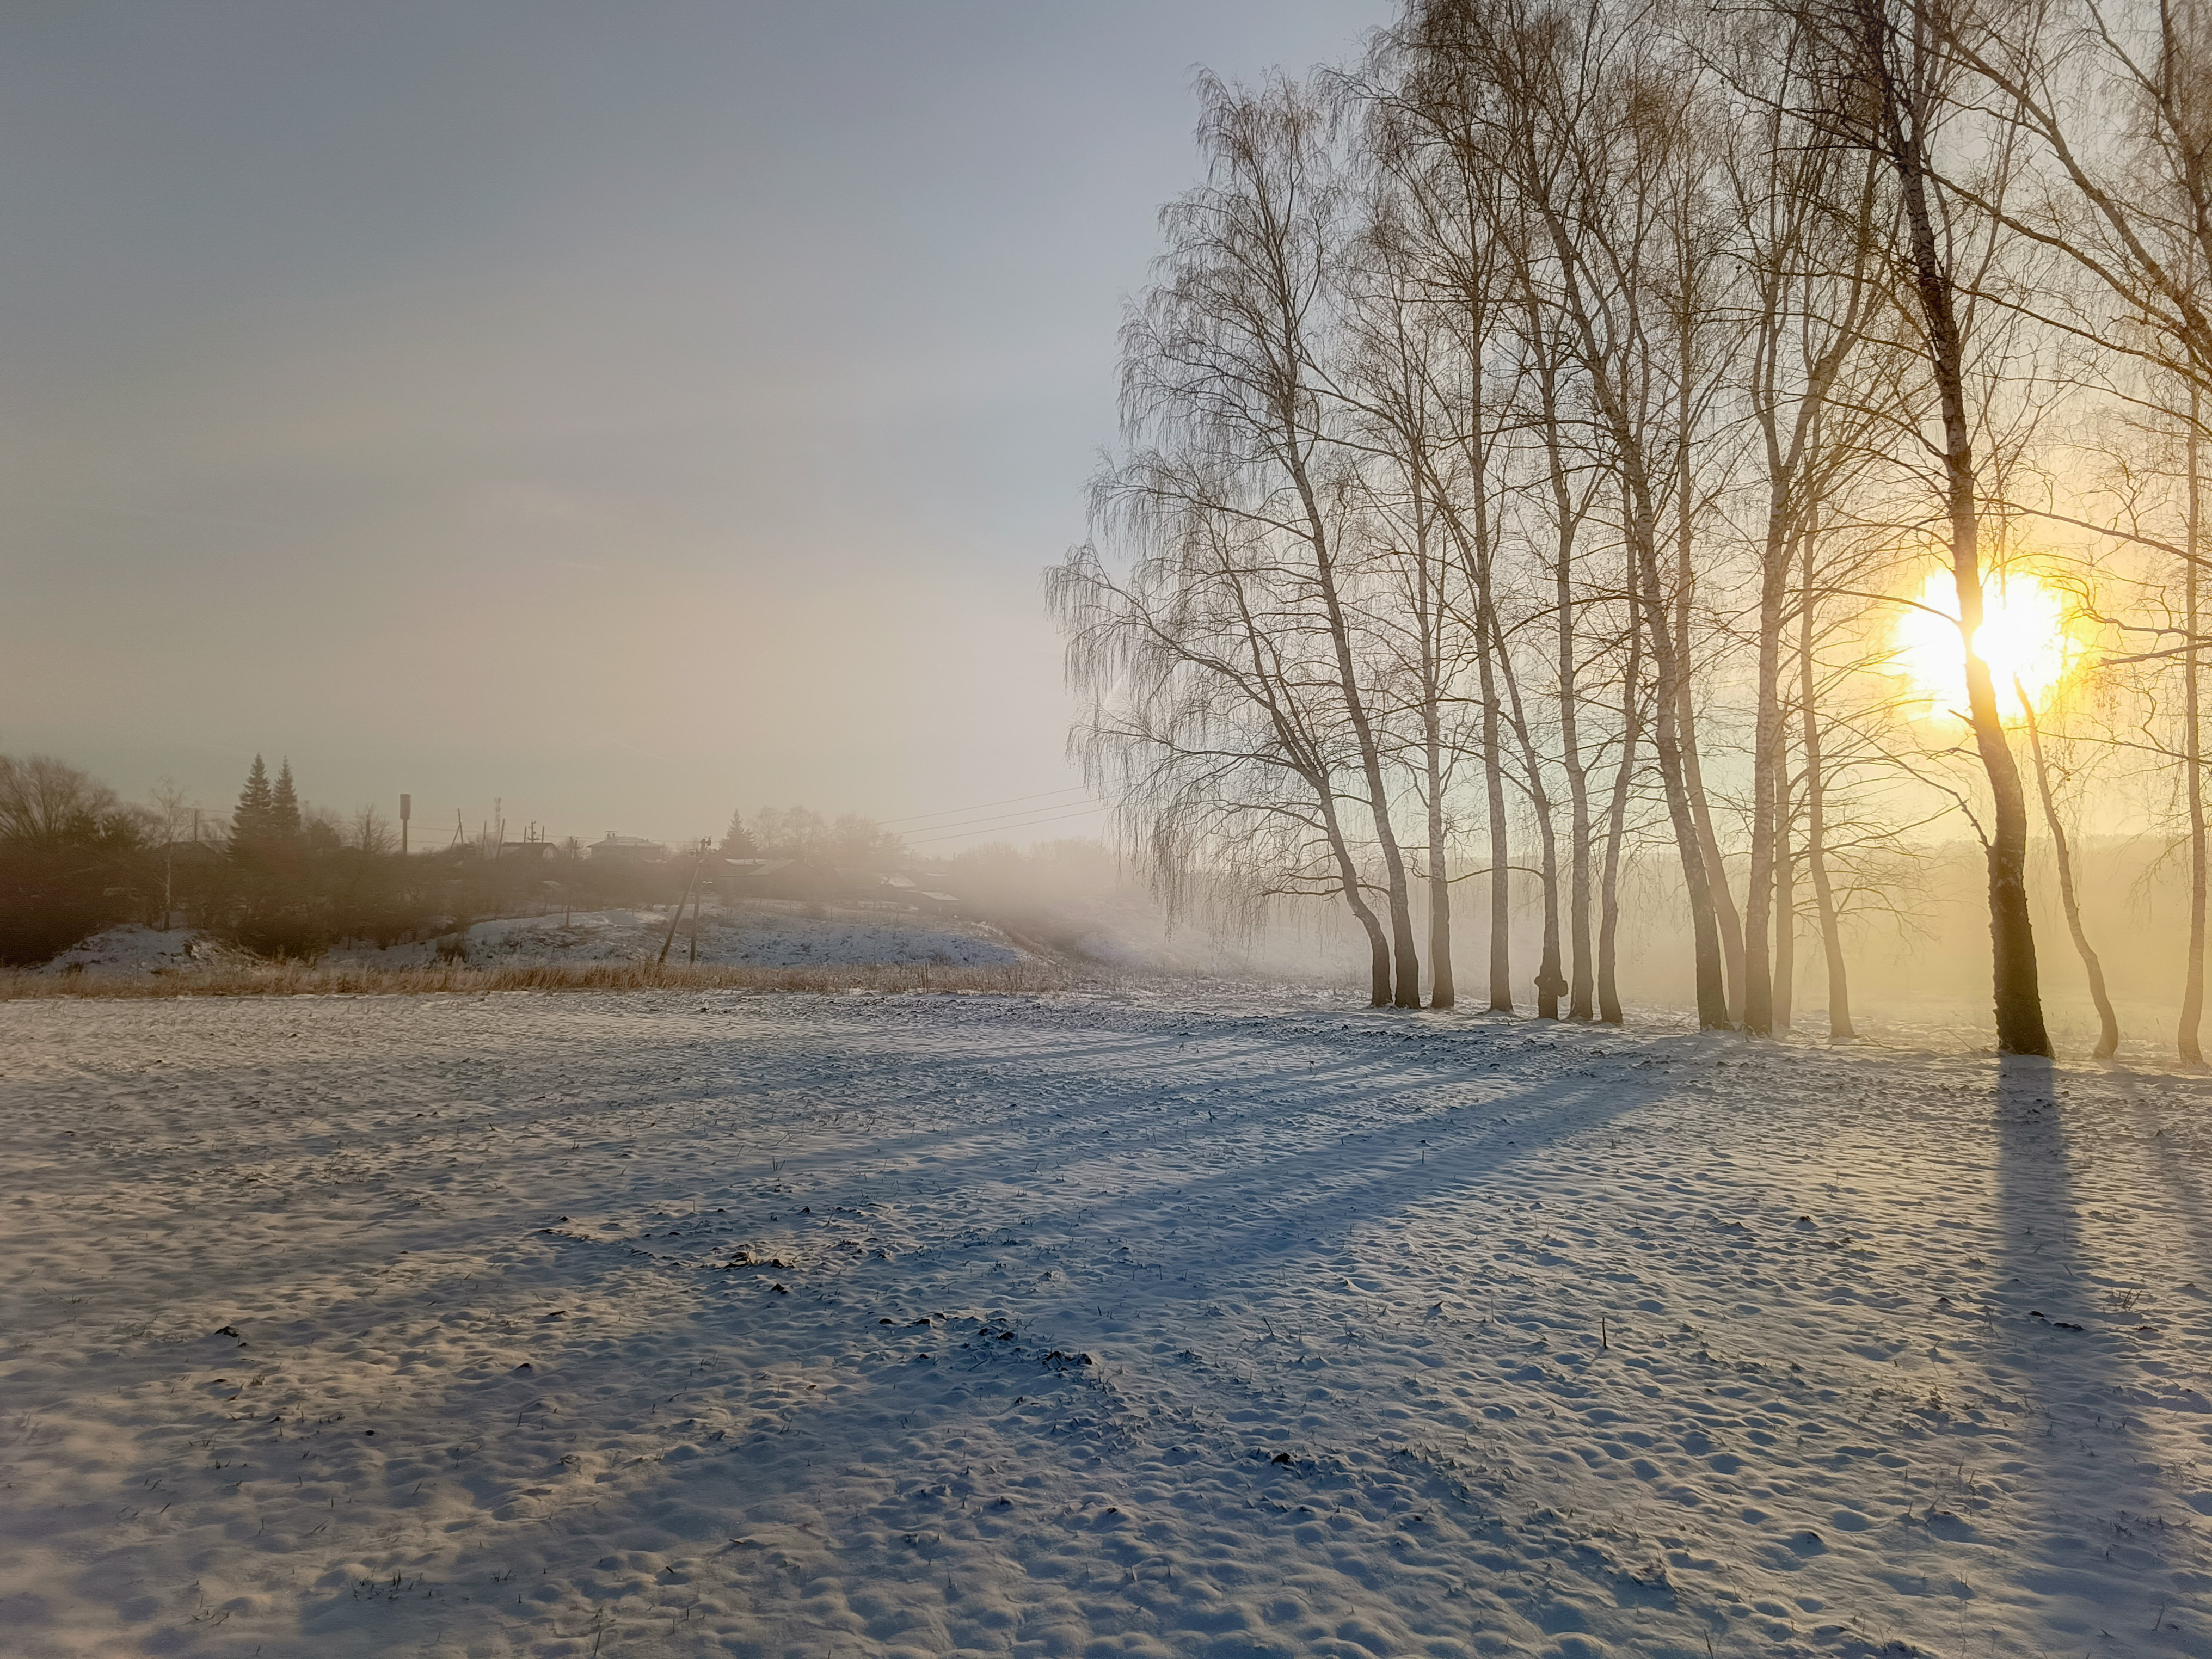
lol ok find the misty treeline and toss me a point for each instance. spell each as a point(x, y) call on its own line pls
point(284, 877)
point(1535, 433)
point(69, 846)
point(273, 874)
point(850, 840)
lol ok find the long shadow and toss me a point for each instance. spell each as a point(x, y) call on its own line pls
point(1117, 1102)
point(1357, 1082)
point(1119, 1093)
point(1122, 1086)
point(1126, 1078)
point(2091, 1549)
point(1282, 1202)
point(1262, 1211)
point(1263, 1215)
point(2178, 1168)
point(1351, 1075)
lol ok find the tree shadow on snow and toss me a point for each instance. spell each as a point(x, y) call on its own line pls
point(2091, 1550)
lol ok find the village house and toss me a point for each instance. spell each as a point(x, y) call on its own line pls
point(636, 848)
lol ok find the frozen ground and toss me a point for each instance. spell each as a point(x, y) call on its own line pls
point(131, 950)
point(673, 1325)
point(752, 936)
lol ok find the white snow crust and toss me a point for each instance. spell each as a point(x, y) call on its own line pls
point(751, 936)
point(133, 951)
point(669, 1324)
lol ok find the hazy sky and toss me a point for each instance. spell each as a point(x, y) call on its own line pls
point(628, 410)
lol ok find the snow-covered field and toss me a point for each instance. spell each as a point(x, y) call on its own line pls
point(667, 1324)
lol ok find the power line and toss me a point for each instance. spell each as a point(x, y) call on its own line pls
point(954, 812)
point(956, 835)
point(993, 818)
point(1003, 817)
point(1001, 831)
point(1013, 822)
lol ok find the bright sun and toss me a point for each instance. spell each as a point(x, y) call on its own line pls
point(2022, 637)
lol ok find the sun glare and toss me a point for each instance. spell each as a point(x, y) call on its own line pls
point(2023, 638)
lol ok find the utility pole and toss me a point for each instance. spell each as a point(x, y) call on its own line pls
point(697, 864)
point(406, 812)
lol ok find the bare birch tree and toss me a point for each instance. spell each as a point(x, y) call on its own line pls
point(1232, 352)
point(1892, 90)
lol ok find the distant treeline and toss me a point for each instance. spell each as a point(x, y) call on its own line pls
point(850, 840)
point(274, 876)
point(287, 879)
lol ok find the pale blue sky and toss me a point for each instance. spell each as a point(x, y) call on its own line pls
point(628, 410)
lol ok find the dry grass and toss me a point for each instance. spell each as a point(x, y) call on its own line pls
point(295, 979)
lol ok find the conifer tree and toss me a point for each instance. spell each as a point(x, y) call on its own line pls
point(250, 823)
point(284, 807)
point(738, 841)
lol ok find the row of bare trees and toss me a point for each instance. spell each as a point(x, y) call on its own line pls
point(1534, 433)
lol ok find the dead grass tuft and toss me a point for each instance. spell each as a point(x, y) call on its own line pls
point(296, 979)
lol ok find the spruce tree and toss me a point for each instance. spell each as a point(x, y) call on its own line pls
point(250, 823)
point(737, 840)
point(284, 807)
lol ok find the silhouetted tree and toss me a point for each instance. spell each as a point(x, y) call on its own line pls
point(70, 857)
point(252, 822)
point(284, 821)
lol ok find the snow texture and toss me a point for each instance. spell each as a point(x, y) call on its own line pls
point(131, 950)
point(751, 936)
point(737, 936)
point(665, 1324)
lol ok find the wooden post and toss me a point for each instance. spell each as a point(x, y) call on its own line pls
point(669, 939)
